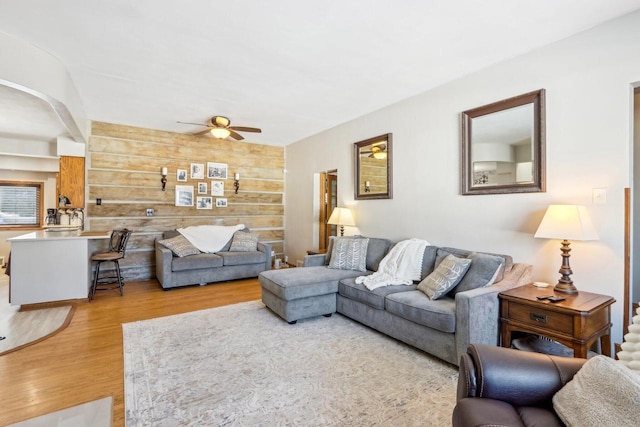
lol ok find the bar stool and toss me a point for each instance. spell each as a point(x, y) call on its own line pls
point(116, 252)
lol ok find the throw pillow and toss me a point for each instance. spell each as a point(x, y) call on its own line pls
point(180, 246)
point(482, 272)
point(604, 392)
point(244, 242)
point(349, 254)
point(332, 240)
point(446, 275)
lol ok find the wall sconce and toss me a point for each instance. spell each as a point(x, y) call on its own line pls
point(367, 186)
point(164, 178)
point(236, 182)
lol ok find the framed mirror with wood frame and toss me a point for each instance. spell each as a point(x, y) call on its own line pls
point(373, 178)
point(503, 146)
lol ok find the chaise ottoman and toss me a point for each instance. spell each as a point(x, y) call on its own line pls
point(300, 293)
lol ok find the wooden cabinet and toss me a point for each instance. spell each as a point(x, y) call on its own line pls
point(71, 180)
point(577, 322)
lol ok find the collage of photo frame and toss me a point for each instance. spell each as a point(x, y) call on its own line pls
point(202, 196)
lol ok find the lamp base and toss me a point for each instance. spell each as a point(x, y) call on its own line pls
point(565, 288)
point(565, 284)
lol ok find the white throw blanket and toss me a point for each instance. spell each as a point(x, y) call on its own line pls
point(401, 266)
point(209, 238)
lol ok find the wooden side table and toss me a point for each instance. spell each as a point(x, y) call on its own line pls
point(576, 322)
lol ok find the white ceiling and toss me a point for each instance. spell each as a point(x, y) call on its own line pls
point(291, 67)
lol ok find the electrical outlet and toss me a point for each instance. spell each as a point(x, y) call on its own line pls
point(98, 202)
point(149, 212)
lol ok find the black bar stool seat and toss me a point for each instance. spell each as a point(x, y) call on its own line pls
point(116, 252)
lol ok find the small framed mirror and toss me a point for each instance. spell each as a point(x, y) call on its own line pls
point(373, 171)
point(503, 146)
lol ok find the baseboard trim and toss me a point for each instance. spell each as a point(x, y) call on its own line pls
point(52, 304)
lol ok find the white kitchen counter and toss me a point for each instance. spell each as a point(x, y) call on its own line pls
point(49, 266)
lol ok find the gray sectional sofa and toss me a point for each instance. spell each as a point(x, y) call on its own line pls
point(202, 268)
point(443, 327)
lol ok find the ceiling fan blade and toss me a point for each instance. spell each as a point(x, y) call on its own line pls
point(189, 123)
point(245, 129)
point(202, 132)
point(235, 135)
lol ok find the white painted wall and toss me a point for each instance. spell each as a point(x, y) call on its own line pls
point(588, 81)
point(27, 65)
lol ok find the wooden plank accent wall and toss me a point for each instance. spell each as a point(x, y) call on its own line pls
point(123, 169)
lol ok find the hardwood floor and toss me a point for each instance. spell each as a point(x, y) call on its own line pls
point(84, 362)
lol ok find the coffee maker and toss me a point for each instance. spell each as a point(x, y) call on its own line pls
point(52, 217)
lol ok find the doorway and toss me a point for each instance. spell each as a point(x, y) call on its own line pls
point(328, 192)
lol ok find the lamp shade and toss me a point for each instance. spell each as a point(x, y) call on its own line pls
point(568, 222)
point(341, 216)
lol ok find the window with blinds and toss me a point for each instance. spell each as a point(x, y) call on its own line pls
point(20, 204)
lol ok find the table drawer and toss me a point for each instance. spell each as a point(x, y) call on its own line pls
point(541, 318)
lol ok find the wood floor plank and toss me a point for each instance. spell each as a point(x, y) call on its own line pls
point(84, 362)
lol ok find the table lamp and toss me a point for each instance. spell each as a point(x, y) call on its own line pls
point(341, 217)
point(566, 222)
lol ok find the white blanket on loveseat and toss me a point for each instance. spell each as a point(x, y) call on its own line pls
point(209, 238)
point(401, 266)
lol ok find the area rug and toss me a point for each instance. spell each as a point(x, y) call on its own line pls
point(241, 365)
point(24, 328)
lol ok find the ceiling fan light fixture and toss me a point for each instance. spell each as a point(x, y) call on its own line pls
point(220, 121)
point(220, 133)
point(380, 155)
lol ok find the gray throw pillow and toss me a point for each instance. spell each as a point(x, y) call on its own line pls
point(349, 254)
point(244, 242)
point(446, 276)
point(332, 240)
point(180, 246)
point(483, 272)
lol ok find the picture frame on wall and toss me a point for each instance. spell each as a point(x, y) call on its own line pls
point(217, 188)
point(217, 170)
point(221, 202)
point(197, 171)
point(202, 188)
point(184, 195)
point(181, 175)
point(204, 202)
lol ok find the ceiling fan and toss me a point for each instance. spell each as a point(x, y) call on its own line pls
point(377, 151)
point(218, 126)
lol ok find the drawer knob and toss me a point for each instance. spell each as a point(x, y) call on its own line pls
point(538, 317)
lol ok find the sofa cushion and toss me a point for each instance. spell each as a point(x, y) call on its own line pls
point(376, 250)
point(195, 262)
point(416, 307)
point(463, 253)
point(482, 272)
point(180, 246)
point(170, 233)
point(428, 261)
point(244, 242)
point(348, 288)
point(242, 258)
point(294, 283)
point(446, 275)
point(349, 254)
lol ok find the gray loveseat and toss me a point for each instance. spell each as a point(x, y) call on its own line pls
point(202, 268)
point(443, 327)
